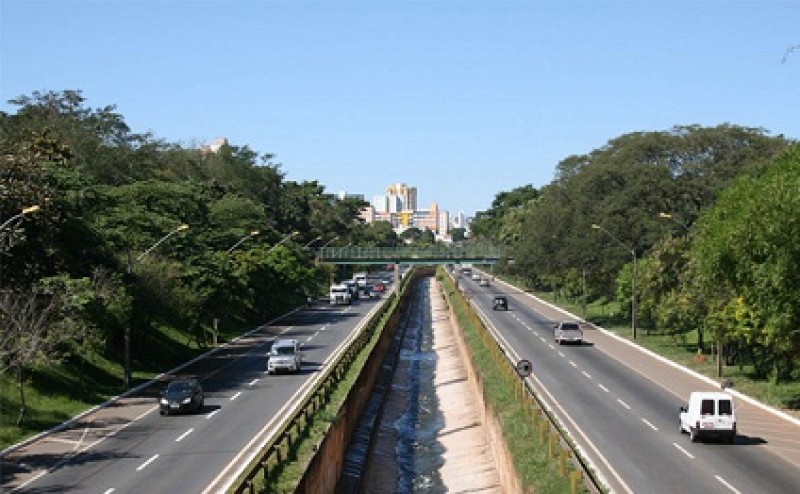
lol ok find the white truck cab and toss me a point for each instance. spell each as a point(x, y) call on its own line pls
point(709, 414)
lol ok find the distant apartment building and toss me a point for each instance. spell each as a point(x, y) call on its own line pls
point(214, 146)
point(399, 207)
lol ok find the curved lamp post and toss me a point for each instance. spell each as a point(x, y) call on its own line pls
point(239, 242)
point(283, 240)
point(318, 237)
point(129, 328)
point(633, 278)
point(20, 215)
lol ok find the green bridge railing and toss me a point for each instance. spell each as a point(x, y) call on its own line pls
point(411, 255)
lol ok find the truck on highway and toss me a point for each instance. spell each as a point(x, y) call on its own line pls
point(340, 295)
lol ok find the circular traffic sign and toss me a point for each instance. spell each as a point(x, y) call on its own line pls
point(524, 368)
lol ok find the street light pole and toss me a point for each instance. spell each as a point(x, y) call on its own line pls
point(284, 239)
point(318, 237)
point(239, 242)
point(20, 215)
point(129, 327)
point(633, 277)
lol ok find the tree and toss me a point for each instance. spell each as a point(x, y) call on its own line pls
point(748, 264)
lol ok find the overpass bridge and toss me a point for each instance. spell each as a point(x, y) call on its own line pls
point(435, 254)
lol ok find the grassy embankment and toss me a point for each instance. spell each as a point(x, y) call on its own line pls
point(56, 393)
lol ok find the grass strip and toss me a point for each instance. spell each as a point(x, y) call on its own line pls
point(537, 472)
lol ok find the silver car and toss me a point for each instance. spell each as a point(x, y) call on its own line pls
point(284, 356)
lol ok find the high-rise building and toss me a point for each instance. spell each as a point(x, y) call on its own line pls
point(406, 194)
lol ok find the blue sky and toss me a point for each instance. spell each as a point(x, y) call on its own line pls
point(463, 99)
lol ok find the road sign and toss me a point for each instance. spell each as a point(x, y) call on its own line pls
point(524, 368)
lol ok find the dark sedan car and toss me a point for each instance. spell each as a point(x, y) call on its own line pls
point(181, 395)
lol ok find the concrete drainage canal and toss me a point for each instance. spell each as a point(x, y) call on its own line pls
point(397, 446)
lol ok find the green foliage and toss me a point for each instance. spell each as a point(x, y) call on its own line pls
point(108, 197)
point(748, 262)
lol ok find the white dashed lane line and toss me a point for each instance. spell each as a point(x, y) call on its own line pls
point(588, 376)
point(726, 484)
point(235, 395)
point(650, 425)
point(212, 413)
point(623, 404)
point(253, 382)
point(182, 436)
point(560, 354)
point(683, 451)
point(603, 388)
point(573, 364)
point(144, 465)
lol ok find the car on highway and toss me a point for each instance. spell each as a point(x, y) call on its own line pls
point(568, 332)
point(284, 356)
point(476, 276)
point(484, 282)
point(181, 396)
point(709, 414)
point(500, 303)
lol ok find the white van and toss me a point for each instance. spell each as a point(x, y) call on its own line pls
point(709, 414)
point(284, 355)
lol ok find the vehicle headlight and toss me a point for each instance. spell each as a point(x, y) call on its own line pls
point(164, 401)
point(187, 400)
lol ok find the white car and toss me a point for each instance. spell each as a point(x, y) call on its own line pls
point(709, 414)
point(284, 355)
point(568, 332)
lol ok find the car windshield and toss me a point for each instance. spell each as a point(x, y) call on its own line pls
point(569, 326)
point(283, 350)
point(179, 386)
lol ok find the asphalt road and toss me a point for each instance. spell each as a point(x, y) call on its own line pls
point(128, 447)
point(621, 405)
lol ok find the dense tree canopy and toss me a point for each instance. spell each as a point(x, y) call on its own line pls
point(641, 195)
point(106, 196)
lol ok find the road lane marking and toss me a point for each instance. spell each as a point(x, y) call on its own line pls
point(109, 491)
point(213, 413)
point(683, 451)
point(726, 484)
point(551, 346)
point(623, 404)
point(543, 340)
point(182, 436)
point(560, 354)
point(144, 465)
point(588, 376)
point(650, 425)
point(253, 382)
point(603, 387)
point(573, 364)
point(235, 396)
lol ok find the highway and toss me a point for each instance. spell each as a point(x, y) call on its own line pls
point(129, 447)
point(621, 407)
